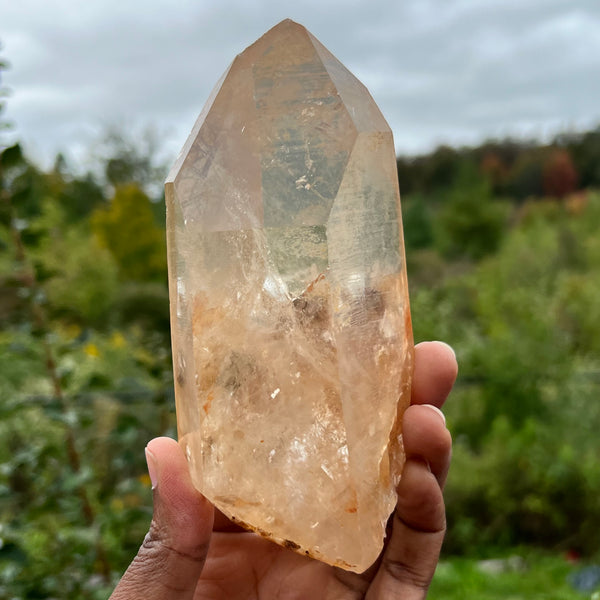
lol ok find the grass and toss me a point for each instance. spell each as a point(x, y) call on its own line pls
point(523, 577)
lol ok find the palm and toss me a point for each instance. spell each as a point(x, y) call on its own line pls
point(244, 566)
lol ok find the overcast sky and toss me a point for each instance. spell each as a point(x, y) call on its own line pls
point(442, 71)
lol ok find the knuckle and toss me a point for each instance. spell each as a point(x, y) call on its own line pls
point(157, 547)
point(421, 515)
point(406, 573)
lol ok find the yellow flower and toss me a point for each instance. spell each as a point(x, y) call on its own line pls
point(145, 480)
point(117, 340)
point(91, 350)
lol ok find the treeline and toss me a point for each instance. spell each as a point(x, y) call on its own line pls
point(463, 201)
point(516, 169)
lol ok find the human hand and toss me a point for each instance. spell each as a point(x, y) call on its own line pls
point(193, 552)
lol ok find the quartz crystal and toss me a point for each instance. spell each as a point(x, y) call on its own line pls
point(292, 341)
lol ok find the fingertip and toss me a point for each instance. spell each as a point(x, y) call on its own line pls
point(163, 445)
point(436, 411)
point(167, 465)
point(178, 504)
point(442, 355)
point(446, 346)
point(436, 369)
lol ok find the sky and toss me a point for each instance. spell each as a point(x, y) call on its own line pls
point(442, 71)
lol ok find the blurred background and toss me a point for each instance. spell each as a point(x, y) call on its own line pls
point(495, 113)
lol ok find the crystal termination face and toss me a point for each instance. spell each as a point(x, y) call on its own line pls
point(292, 340)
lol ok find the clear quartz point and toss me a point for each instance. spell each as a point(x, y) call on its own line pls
point(292, 340)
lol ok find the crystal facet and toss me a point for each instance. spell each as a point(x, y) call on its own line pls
point(292, 341)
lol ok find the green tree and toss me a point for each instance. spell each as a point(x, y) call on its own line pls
point(128, 229)
point(133, 159)
point(441, 168)
point(525, 178)
point(470, 223)
point(80, 196)
point(81, 276)
point(585, 150)
point(417, 223)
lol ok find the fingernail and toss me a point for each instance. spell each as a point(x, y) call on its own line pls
point(151, 462)
point(437, 411)
point(447, 346)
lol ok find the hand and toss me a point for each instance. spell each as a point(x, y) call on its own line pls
point(193, 552)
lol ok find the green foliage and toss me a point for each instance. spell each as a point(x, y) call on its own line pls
point(585, 150)
point(525, 179)
point(84, 287)
point(85, 381)
point(515, 169)
point(442, 168)
point(520, 576)
point(470, 222)
point(80, 197)
point(525, 326)
point(133, 159)
point(128, 229)
point(525, 487)
point(77, 276)
point(11, 157)
point(116, 385)
point(429, 174)
point(11, 163)
point(417, 221)
point(147, 305)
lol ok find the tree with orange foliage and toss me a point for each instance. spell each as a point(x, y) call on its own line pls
point(560, 176)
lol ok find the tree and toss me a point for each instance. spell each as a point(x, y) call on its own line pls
point(585, 151)
point(79, 197)
point(128, 229)
point(441, 168)
point(133, 159)
point(418, 229)
point(560, 176)
point(3, 93)
point(470, 223)
point(494, 169)
point(525, 179)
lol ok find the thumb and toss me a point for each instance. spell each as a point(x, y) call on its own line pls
point(169, 562)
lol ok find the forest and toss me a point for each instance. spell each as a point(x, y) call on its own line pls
point(503, 255)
